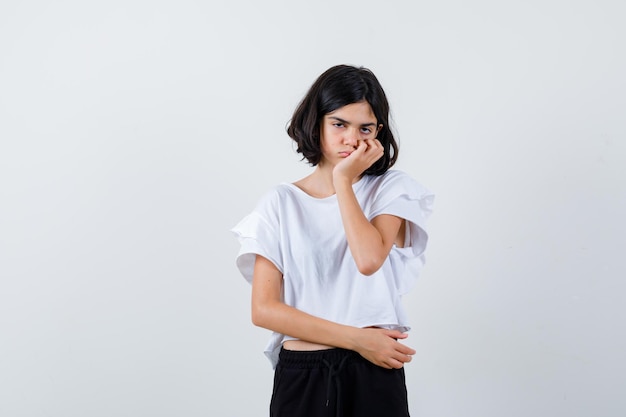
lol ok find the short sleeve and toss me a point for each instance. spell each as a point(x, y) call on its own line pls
point(258, 235)
point(402, 196)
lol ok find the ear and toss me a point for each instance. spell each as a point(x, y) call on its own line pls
point(380, 126)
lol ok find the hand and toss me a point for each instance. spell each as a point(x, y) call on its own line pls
point(367, 152)
point(380, 347)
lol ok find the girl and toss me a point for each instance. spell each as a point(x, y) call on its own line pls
point(330, 256)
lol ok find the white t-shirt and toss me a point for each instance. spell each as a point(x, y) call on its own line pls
point(304, 237)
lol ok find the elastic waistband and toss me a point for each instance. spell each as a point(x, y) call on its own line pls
point(310, 359)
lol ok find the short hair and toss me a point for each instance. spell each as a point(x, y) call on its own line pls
point(337, 87)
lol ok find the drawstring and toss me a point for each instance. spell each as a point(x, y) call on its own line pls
point(333, 372)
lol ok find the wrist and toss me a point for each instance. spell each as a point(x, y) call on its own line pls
point(352, 336)
point(342, 180)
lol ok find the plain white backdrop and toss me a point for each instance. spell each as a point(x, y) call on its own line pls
point(134, 134)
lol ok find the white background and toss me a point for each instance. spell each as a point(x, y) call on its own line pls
point(134, 134)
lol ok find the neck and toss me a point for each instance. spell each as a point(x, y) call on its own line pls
point(320, 182)
point(322, 179)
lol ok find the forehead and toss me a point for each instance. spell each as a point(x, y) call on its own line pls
point(359, 113)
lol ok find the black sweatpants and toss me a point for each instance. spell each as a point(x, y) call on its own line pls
point(336, 383)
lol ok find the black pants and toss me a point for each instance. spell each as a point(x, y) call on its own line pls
point(337, 383)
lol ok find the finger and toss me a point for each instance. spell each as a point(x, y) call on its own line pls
point(376, 147)
point(404, 349)
point(405, 357)
point(396, 334)
point(371, 143)
point(361, 148)
point(375, 143)
point(395, 364)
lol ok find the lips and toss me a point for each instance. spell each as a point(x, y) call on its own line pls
point(345, 154)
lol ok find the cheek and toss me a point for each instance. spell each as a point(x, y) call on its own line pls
point(325, 140)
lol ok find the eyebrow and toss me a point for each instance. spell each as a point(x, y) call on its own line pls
point(347, 122)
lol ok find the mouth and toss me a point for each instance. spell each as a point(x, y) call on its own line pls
point(345, 154)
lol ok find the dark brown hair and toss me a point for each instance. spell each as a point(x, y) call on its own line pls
point(337, 87)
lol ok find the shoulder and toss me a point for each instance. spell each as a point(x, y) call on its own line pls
point(276, 197)
point(396, 182)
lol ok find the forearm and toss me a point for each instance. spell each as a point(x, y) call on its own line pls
point(365, 241)
point(287, 320)
point(379, 346)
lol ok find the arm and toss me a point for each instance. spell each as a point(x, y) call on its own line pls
point(369, 242)
point(269, 311)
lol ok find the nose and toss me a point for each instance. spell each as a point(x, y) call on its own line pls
point(352, 137)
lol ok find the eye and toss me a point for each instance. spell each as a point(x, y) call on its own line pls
point(366, 130)
point(338, 124)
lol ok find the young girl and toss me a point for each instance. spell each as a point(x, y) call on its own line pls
point(330, 256)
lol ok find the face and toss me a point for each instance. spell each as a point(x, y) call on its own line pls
point(342, 129)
